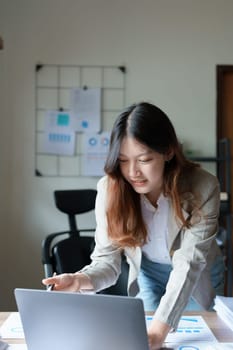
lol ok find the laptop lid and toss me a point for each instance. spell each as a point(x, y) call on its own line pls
point(73, 321)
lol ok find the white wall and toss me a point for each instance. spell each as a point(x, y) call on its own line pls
point(170, 49)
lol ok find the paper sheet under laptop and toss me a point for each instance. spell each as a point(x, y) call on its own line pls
point(190, 329)
point(17, 347)
point(12, 328)
point(173, 346)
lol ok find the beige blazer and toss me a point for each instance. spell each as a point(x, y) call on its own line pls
point(192, 250)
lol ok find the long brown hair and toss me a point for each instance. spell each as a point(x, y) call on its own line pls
point(150, 126)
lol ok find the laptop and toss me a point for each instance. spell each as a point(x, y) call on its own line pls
point(74, 321)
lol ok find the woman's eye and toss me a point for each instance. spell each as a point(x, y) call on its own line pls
point(144, 160)
point(122, 160)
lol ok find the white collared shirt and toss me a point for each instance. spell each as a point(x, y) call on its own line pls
point(156, 220)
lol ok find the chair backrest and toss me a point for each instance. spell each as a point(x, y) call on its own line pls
point(73, 253)
point(69, 254)
point(75, 202)
point(66, 254)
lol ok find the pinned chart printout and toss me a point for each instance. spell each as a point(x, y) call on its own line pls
point(86, 109)
point(95, 148)
point(57, 119)
point(60, 143)
point(58, 137)
point(190, 329)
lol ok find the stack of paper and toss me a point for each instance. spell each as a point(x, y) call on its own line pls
point(224, 308)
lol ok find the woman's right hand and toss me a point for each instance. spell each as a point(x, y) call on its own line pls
point(70, 282)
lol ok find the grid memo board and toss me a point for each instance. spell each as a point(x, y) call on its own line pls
point(53, 84)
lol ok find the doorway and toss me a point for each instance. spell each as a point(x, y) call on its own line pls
point(225, 110)
point(224, 75)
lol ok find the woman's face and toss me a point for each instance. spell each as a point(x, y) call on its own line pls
point(142, 167)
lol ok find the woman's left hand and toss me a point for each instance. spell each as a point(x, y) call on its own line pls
point(157, 333)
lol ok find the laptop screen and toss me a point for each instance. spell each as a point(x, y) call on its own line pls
point(73, 321)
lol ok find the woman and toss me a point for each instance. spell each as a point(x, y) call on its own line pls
point(161, 211)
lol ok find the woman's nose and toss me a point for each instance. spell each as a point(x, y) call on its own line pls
point(133, 169)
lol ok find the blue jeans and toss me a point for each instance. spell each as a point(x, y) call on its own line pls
point(153, 278)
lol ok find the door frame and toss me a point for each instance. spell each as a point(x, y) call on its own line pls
point(221, 70)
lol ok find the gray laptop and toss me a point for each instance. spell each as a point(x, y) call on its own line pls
point(72, 321)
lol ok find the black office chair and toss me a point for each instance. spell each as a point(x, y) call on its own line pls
point(70, 250)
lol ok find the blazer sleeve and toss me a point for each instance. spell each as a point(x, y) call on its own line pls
point(192, 253)
point(105, 267)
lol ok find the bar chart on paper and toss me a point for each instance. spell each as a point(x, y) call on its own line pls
point(190, 329)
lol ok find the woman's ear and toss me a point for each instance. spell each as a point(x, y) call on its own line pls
point(169, 155)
